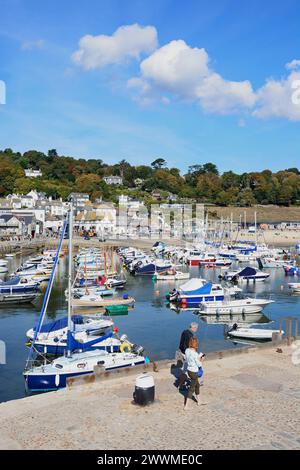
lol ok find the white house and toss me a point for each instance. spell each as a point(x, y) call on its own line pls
point(58, 208)
point(10, 225)
point(113, 180)
point(101, 219)
point(130, 203)
point(18, 223)
point(79, 199)
point(30, 200)
point(30, 173)
point(53, 223)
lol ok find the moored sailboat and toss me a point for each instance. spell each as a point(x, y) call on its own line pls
point(54, 375)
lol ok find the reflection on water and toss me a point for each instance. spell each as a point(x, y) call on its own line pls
point(151, 323)
point(241, 319)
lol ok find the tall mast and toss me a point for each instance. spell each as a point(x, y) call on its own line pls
point(70, 266)
point(255, 223)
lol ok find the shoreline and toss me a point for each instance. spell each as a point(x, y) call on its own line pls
point(273, 238)
point(100, 414)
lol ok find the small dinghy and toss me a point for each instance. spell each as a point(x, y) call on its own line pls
point(7, 299)
point(247, 274)
point(294, 287)
point(98, 301)
point(252, 333)
point(171, 276)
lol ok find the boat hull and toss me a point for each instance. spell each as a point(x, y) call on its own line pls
point(48, 382)
point(224, 310)
point(150, 270)
point(98, 303)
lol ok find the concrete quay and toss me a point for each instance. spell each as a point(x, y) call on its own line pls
point(252, 397)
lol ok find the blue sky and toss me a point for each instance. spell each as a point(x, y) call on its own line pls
point(135, 105)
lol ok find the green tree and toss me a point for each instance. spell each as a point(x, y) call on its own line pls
point(158, 163)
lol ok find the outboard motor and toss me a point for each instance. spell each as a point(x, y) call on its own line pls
point(144, 392)
point(136, 349)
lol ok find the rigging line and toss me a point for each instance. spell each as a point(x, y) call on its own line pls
point(47, 294)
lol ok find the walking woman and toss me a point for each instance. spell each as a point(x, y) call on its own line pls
point(193, 359)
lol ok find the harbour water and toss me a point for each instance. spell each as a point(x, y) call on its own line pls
point(151, 323)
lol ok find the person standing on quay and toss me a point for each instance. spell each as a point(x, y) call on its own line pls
point(193, 359)
point(183, 345)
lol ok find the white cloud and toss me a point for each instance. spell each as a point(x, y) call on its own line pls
point(29, 45)
point(278, 98)
point(293, 65)
point(184, 71)
point(222, 96)
point(176, 68)
point(127, 42)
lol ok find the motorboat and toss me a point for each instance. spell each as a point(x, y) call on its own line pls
point(33, 274)
point(198, 257)
point(171, 275)
point(98, 301)
point(199, 290)
point(247, 274)
point(95, 290)
point(291, 270)
point(234, 306)
point(3, 262)
point(145, 268)
point(110, 282)
point(294, 287)
point(219, 263)
point(18, 285)
point(3, 269)
point(25, 298)
point(252, 333)
point(270, 262)
point(228, 307)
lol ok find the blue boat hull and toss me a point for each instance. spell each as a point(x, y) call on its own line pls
point(150, 269)
point(18, 289)
point(197, 299)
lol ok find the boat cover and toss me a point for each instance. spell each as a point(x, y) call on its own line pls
point(74, 345)
point(60, 324)
point(203, 289)
point(248, 271)
point(192, 284)
point(11, 282)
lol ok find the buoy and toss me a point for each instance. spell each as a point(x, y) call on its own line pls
point(125, 347)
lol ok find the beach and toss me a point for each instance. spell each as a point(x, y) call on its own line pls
point(252, 403)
